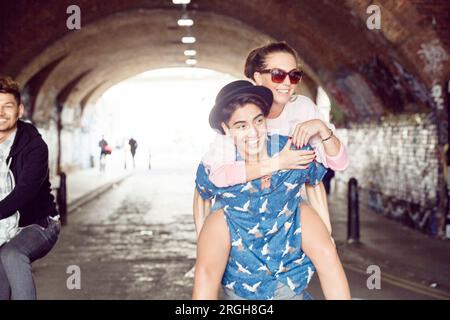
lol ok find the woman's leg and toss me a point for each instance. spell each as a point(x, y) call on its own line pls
point(317, 245)
point(213, 249)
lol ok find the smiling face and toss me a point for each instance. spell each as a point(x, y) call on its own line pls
point(247, 126)
point(282, 92)
point(10, 112)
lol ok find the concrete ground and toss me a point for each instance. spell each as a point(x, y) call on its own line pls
point(137, 241)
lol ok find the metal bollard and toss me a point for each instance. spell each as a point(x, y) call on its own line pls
point(353, 212)
point(61, 198)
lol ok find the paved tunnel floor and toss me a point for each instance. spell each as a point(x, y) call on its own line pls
point(137, 241)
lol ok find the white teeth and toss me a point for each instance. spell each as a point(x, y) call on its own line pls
point(283, 91)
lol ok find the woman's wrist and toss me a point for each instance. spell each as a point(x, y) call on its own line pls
point(330, 135)
point(324, 131)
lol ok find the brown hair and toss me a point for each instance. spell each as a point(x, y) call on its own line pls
point(256, 59)
point(8, 85)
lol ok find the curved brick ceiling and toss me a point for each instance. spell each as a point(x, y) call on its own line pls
point(369, 73)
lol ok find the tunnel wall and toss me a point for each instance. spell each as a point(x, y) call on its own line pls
point(396, 163)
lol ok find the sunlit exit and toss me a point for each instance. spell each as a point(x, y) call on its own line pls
point(165, 110)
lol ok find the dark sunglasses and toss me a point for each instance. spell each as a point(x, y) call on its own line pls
point(279, 75)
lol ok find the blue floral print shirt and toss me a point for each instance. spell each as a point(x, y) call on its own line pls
point(265, 228)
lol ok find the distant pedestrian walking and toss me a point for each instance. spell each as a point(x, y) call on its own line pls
point(133, 146)
point(105, 149)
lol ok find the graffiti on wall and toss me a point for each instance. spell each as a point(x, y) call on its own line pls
point(398, 89)
point(433, 55)
point(396, 168)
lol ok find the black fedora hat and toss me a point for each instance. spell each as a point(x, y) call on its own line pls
point(233, 90)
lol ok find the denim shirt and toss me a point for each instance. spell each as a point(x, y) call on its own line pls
point(265, 228)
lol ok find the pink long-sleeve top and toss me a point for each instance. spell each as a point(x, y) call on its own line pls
point(221, 156)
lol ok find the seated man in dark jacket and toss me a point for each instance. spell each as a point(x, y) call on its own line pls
point(24, 192)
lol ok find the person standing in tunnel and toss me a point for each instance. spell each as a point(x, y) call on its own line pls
point(133, 146)
point(105, 149)
point(26, 192)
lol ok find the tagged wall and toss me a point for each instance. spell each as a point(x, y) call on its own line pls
point(396, 165)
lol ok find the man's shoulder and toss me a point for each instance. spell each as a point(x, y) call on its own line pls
point(28, 128)
point(27, 133)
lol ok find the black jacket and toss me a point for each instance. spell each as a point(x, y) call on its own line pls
point(32, 194)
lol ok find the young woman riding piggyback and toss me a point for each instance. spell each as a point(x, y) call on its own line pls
point(276, 67)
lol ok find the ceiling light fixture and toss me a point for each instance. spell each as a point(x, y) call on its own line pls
point(190, 52)
point(191, 62)
point(181, 1)
point(188, 39)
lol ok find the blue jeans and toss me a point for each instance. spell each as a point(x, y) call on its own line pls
point(31, 243)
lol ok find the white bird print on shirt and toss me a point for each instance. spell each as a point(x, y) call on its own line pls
point(264, 206)
point(299, 261)
point(265, 249)
point(230, 285)
point(251, 288)
point(274, 229)
point(264, 268)
point(225, 209)
point(248, 187)
point(285, 211)
point(281, 268)
point(291, 284)
point(238, 244)
point(287, 225)
point(287, 249)
point(290, 186)
point(298, 230)
point(299, 193)
point(310, 274)
point(244, 208)
point(229, 195)
point(242, 269)
point(255, 231)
